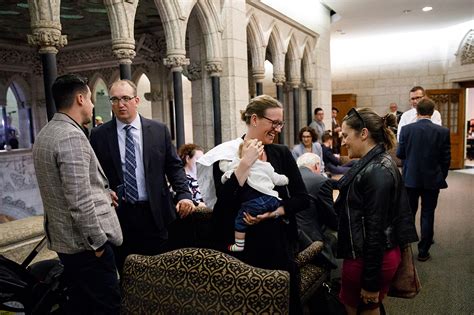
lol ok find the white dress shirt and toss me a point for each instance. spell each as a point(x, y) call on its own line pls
point(136, 131)
point(409, 117)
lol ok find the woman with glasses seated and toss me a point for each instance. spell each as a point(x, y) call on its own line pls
point(375, 220)
point(271, 236)
point(308, 144)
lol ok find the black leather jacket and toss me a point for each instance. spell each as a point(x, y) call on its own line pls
point(374, 213)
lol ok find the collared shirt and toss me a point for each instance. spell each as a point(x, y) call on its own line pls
point(319, 127)
point(409, 117)
point(138, 139)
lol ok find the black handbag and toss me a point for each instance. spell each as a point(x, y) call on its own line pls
point(330, 303)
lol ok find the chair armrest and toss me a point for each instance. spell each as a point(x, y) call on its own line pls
point(309, 253)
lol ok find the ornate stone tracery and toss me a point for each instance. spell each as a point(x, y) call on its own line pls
point(176, 62)
point(467, 49)
point(214, 68)
point(193, 71)
point(279, 78)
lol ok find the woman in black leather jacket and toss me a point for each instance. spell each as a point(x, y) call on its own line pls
point(374, 215)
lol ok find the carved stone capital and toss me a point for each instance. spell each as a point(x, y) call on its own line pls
point(214, 68)
point(258, 74)
point(295, 83)
point(176, 62)
point(193, 71)
point(124, 49)
point(48, 39)
point(153, 96)
point(308, 86)
point(279, 78)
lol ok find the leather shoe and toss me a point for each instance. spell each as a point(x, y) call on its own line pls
point(424, 257)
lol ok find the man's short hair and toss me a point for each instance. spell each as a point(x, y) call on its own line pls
point(308, 160)
point(334, 108)
point(66, 87)
point(317, 109)
point(417, 88)
point(425, 107)
point(326, 136)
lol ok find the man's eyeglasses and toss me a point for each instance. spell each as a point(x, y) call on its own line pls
point(354, 111)
point(416, 98)
point(124, 99)
point(275, 123)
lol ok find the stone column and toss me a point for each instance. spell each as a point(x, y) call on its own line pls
point(295, 84)
point(279, 79)
point(5, 127)
point(258, 76)
point(32, 130)
point(121, 16)
point(46, 29)
point(124, 50)
point(176, 63)
point(215, 68)
point(309, 102)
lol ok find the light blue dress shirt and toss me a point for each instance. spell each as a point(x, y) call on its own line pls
point(138, 139)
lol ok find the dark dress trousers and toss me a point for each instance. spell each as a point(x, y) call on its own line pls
point(426, 151)
point(145, 224)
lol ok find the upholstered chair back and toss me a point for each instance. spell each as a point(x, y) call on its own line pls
point(201, 281)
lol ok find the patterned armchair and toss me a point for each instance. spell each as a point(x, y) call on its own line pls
point(311, 275)
point(201, 281)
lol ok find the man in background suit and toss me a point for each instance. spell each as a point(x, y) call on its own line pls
point(79, 218)
point(313, 221)
point(393, 109)
point(425, 149)
point(139, 158)
point(410, 116)
point(336, 132)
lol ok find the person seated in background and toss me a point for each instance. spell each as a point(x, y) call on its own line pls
point(308, 143)
point(189, 153)
point(316, 222)
point(331, 161)
point(258, 197)
point(13, 140)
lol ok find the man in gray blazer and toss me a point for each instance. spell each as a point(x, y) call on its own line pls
point(79, 216)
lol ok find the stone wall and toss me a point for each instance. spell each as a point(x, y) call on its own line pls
point(383, 72)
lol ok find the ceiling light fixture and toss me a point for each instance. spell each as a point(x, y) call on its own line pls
point(427, 9)
point(406, 11)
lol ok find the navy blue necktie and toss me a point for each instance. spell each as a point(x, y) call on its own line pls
point(130, 177)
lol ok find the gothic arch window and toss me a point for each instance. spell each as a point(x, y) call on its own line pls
point(143, 86)
point(100, 97)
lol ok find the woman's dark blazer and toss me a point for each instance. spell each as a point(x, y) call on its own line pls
point(268, 244)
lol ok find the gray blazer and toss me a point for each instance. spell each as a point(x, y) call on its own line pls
point(78, 214)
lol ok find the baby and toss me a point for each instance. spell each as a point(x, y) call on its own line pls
point(257, 194)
